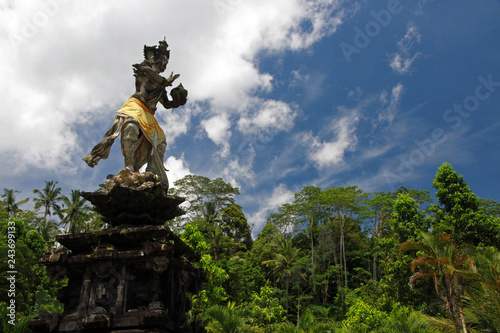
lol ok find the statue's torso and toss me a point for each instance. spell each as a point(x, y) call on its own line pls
point(148, 91)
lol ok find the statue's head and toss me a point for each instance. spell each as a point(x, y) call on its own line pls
point(157, 55)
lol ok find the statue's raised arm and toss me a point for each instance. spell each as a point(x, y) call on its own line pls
point(142, 140)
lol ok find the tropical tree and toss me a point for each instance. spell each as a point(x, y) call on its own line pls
point(307, 210)
point(234, 225)
point(200, 190)
point(483, 298)
point(10, 204)
point(459, 212)
point(363, 317)
point(407, 218)
point(266, 307)
point(48, 198)
point(211, 204)
point(48, 229)
point(284, 220)
point(229, 319)
point(379, 212)
point(31, 277)
point(73, 209)
point(283, 263)
point(405, 320)
point(90, 220)
point(449, 268)
point(345, 204)
point(214, 292)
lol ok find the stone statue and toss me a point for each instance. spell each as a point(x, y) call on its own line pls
point(136, 275)
point(142, 139)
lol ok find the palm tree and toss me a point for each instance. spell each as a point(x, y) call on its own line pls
point(449, 268)
point(283, 263)
point(9, 201)
point(94, 220)
point(483, 299)
point(48, 229)
point(227, 319)
point(216, 239)
point(406, 320)
point(73, 209)
point(48, 198)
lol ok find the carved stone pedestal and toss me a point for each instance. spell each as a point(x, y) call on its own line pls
point(123, 279)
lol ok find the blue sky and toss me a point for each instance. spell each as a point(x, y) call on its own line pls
point(282, 93)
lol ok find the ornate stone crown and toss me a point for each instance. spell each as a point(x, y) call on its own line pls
point(157, 50)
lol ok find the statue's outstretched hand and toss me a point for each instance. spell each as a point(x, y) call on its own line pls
point(171, 79)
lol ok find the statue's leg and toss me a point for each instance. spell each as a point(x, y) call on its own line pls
point(160, 149)
point(130, 135)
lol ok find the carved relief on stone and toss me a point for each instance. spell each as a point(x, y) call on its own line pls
point(159, 245)
point(158, 263)
point(57, 272)
point(103, 269)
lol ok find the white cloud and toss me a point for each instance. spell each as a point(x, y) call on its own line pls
point(236, 171)
point(218, 130)
point(69, 63)
point(273, 116)
point(356, 94)
point(176, 123)
point(402, 61)
point(391, 105)
point(329, 153)
point(280, 195)
point(177, 169)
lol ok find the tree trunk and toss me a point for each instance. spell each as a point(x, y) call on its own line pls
point(336, 262)
point(312, 254)
point(325, 295)
point(462, 319)
point(286, 305)
point(298, 311)
point(454, 308)
point(342, 243)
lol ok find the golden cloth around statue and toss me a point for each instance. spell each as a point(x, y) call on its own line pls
point(149, 148)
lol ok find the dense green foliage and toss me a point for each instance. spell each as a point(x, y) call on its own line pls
point(27, 235)
point(337, 259)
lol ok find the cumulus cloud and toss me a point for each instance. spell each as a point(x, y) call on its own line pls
point(272, 116)
point(329, 153)
point(176, 123)
point(69, 64)
point(402, 61)
point(218, 130)
point(280, 195)
point(177, 168)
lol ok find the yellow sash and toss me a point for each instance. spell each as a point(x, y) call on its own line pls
point(135, 108)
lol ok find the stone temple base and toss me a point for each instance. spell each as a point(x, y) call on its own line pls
point(134, 198)
point(134, 277)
